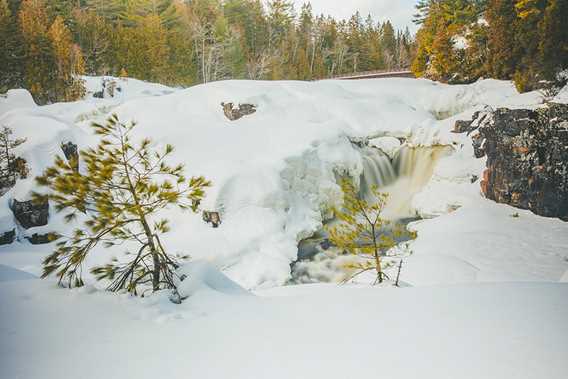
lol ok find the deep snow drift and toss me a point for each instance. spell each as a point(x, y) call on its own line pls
point(275, 175)
point(507, 331)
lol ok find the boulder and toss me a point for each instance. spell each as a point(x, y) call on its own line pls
point(31, 213)
point(7, 238)
point(41, 239)
point(527, 158)
point(234, 113)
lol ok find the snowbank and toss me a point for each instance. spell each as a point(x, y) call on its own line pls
point(16, 99)
point(8, 273)
point(202, 276)
point(512, 331)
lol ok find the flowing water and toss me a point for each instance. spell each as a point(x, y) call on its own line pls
point(402, 178)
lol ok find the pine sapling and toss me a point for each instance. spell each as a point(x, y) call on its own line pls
point(120, 191)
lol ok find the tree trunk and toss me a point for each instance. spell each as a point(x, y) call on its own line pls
point(378, 265)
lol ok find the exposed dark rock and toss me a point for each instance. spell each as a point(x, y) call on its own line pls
point(213, 218)
point(360, 142)
point(234, 113)
point(527, 158)
point(42, 239)
point(462, 126)
point(8, 237)
point(30, 213)
point(71, 153)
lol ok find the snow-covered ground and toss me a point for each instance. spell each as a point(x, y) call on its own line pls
point(274, 175)
point(506, 331)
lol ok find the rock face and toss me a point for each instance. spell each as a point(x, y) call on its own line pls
point(234, 113)
point(527, 157)
point(30, 214)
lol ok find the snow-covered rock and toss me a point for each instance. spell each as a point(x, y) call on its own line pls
point(15, 99)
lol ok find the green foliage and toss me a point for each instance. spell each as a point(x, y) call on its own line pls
point(11, 166)
point(362, 231)
point(523, 40)
point(119, 193)
point(11, 45)
point(189, 42)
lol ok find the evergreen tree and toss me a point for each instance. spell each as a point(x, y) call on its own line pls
point(94, 35)
point(120, 194)
point(69, 64)
point(553, 46)
point(187, 42)
point(11, 166)
point(11, 52)
point(362, 231)
point(38, 63)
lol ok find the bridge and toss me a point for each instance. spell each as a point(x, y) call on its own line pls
point(377, 74)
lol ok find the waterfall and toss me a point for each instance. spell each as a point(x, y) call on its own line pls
point(378, 170)
point(407, 174)
point(402, 177)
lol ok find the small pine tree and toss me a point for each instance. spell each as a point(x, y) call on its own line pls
point(122, 190)
point(361, 230)
point(11, 167)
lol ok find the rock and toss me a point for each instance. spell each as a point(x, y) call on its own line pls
point(360, 142)
point(31, 214)
point(462, 126)
point(213, 218)
point(8, 237)
point(527, 158)
point(71, 153)
point(234, 113)
point(42, 239)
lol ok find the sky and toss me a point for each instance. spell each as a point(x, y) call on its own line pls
point(398, 11)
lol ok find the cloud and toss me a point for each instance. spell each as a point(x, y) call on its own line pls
point(399, 12)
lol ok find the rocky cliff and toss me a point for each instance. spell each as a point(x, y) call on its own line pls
point(527, 157)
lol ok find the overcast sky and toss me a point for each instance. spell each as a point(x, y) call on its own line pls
point(398, 11)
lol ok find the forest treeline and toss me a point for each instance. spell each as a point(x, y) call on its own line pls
point(47, 44)
point(460, 41)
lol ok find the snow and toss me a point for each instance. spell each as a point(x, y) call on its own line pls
point(16, 99)
point(467, 332)
point(8, 273)
point(202, 276)
point(274, 172)
point(484, 298)
point(389, 145)
point(460, 42)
